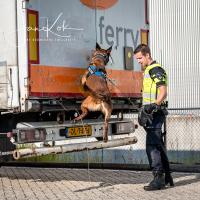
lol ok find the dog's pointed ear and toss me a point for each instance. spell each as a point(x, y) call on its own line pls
point(98, 46)
point(109, 49)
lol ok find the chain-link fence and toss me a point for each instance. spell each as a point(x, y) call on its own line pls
point(182, 138)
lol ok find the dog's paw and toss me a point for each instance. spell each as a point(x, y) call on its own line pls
point(105, 139)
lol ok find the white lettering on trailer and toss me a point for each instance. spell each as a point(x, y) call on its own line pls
point(65, 26)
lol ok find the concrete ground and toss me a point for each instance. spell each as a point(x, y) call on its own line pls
point(93, 184)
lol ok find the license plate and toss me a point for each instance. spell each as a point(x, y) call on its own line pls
point(79, 131)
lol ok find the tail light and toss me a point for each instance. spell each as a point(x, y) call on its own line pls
point(30, 135)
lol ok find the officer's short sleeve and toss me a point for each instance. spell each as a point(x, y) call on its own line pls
point(159, 76)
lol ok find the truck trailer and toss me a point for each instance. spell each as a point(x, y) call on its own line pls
point(45, 47)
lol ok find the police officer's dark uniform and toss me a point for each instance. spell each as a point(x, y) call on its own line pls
point(152, 118)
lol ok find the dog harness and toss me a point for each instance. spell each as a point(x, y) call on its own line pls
point(93, 70)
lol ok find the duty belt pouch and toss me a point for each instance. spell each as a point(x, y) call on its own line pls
point(144, 118)
point(165, 112)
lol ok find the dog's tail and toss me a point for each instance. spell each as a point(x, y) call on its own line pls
point(104, 97)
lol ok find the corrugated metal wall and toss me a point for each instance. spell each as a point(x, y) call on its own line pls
point(175, 42)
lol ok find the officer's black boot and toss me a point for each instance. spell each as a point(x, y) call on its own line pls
point(168, 179)
point(157, 183)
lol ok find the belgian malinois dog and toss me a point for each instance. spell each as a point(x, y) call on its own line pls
point(94, 82)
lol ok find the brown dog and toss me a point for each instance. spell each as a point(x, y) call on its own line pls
point(94, 82)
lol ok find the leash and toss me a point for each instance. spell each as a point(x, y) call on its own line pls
point(110, 80)
point(114, 84)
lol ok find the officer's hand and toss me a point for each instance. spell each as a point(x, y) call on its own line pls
point(151, 107)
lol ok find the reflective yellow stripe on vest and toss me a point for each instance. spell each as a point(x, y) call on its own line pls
point(150, 91)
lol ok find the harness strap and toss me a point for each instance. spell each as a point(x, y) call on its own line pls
point(93, 70)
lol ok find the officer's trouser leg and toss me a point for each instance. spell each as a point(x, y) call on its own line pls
point(154, 157)
point(156, 152)
point(165, 162)
point(155, 162)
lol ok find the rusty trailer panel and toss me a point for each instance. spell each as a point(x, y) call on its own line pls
point(65, 81)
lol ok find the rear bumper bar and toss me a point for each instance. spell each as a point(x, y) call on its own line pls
point(30, 152)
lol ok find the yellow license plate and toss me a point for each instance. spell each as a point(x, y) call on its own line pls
point(79, 131)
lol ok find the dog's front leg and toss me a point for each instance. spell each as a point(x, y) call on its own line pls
point(84, 79)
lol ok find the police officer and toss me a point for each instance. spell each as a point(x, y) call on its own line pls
point(154, 94)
